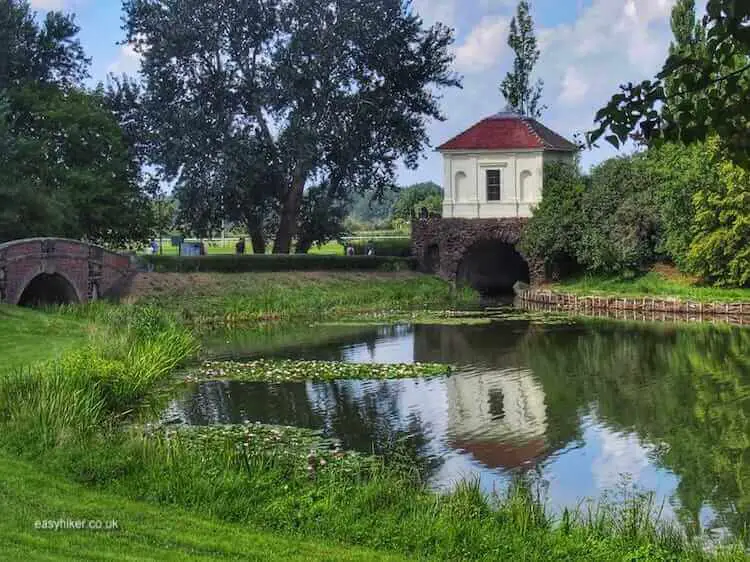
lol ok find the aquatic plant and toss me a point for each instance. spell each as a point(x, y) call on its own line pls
point(288, 370)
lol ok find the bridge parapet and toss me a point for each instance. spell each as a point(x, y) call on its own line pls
point(82, 271)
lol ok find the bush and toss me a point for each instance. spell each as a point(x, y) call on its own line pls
point(679, 171)
point(553, 234)
point(620, 218)
point(394, 247)
point(285, 262)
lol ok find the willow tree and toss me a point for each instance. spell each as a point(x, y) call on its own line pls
point(253, 101)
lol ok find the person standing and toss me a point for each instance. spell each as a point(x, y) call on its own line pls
point(240, 247)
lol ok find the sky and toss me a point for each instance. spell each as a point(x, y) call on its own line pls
point(588, 48)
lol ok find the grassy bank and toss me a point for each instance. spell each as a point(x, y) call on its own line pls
point(214, 493)
point(283, 296)
point(652, 284)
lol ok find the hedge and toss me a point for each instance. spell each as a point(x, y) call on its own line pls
point(274, 262)
point(397, 247)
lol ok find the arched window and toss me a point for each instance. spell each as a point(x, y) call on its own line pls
point(525, 186)
point(460, 187)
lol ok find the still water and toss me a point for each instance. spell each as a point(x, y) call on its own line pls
point(585, 407)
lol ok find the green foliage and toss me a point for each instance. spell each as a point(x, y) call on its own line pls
point(554, 232)
point(372, 210)
point(702, 87)
point(522, 96)
point(287, 370)
point(620, 227)
point(321, 219)
point(269, 262)
point(720, 249)
point(314, 71)
point(679, 172)
point(411, 200)
point(69, 172)
point(65, 166)
point(397, 247)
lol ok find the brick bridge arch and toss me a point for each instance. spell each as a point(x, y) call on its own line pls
point(452, 247)
point(54, 270)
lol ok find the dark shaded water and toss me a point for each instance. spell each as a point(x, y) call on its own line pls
point(585, 406)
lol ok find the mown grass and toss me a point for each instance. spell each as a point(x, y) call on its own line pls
point(28, 336)
point(651, 284)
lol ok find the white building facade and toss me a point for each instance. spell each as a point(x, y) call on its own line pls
point(495, 169)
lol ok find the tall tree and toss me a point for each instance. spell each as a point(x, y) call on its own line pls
point(705, 91)
point(65, 166)
point(252, 101)
point(522, 96)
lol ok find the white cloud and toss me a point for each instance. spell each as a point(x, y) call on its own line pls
point(128, 61)
point(432, 11)
point(484, 46)
point(47, 4)
point(623, 456)
point(574, 87)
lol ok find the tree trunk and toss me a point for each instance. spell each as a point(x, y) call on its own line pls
point(288, 219)
point(258, 240)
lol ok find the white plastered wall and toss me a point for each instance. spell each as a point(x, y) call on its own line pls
point(464, 181)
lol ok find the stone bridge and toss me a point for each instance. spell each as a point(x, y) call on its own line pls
point(42, 271)
point(482, 253)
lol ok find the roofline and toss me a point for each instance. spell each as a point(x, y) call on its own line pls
point(502, 150)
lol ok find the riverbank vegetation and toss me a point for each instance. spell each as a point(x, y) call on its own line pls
point(75, 417)
point(221, 298)
point(660, 282)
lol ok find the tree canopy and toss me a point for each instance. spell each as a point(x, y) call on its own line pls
point(249, 103)
point(65, 166)
point(702, 89)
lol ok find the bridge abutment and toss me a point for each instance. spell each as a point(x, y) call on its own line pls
point(460, 250)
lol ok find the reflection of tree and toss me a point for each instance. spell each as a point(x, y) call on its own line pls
point(489, 345)
point(367, 417)
point(687, 388)
point(224, 402)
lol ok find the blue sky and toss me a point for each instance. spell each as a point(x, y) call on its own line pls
point(588, 47)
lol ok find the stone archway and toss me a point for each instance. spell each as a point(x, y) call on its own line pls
point(48, 289)
point(492, 267)
point(463, 242)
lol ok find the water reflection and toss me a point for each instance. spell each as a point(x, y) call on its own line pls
point(580, 405)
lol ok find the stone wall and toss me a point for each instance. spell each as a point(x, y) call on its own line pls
point(439, 244)
point(92, 271)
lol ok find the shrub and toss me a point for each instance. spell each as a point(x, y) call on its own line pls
point(394, 247)
point(268, 263)
point(620, 219)
point(553, 233)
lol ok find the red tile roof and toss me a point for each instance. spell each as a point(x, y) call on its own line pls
point(508, 131)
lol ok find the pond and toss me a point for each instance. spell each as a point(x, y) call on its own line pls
point(585, 406)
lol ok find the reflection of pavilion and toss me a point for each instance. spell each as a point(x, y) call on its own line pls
point(499, 417)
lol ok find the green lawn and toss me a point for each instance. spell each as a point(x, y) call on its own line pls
point(145, 531)
point(28, 336)
point(652, 284)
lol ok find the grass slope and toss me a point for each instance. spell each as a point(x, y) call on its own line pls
point(658, 283)
point(146, 532)
point(29, 336)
